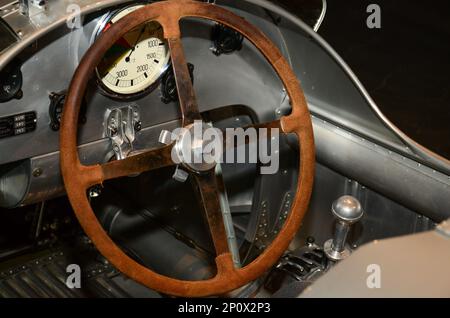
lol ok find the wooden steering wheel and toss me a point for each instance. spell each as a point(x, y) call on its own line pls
point(78, 178)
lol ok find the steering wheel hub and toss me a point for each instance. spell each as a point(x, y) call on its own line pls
point(193, 150)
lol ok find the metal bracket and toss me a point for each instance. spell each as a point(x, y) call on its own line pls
point(121, 127)
point(37, 5)
point(166, 138)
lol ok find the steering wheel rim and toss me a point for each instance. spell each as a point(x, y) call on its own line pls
point(78, 178)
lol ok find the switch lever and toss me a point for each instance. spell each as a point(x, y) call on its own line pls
point(347, 210)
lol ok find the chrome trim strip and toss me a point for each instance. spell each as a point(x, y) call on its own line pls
point(322, 16)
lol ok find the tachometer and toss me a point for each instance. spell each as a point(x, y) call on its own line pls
point(135, 62)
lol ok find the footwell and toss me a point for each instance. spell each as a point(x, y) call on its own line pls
point(45, 275)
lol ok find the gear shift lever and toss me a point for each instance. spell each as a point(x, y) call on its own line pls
point(347, 211)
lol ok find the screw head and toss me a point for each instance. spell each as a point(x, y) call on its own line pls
point(54, 126)
point(138, 126)
point(37, 172)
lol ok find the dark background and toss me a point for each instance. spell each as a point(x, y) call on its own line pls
point(405, 65)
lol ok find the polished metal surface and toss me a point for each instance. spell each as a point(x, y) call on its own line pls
point(372, 123)
point(402, 187)
point(340, 236)
point(7, 37)
point(19, 186)
point(347, 210)
point(390, 268)
point(166, 137)
point(180, 174)
point(384, 217)
point(335, 254)
point(121, 125)
point(322, 16)
point(8, 7)
point(60, 53)
point(227, 219)
point(412, 184)
point(257, 85)
point(190, 148)
point(24, 7)
point(39, 23)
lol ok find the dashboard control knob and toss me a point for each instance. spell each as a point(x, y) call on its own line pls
point(225, 40)
point(10, 83)
point(347, 210)
point(55, 109)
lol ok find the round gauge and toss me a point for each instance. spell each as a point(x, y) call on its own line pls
point(137, 60)
point(10, 83)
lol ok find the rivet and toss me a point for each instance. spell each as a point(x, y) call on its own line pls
point(37, 172)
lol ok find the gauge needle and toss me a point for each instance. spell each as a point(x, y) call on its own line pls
point(127, 59)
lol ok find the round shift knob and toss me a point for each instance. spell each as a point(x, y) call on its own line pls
point(347, 209)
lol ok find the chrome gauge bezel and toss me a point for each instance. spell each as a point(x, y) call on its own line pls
point(99, 82)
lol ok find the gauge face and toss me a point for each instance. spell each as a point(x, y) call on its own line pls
point(137, 60)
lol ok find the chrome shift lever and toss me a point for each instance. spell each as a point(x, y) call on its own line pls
point(347, 210)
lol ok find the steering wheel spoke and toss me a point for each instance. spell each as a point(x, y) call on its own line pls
point(275, 124)
point(263, 130)
point(209, 196)
point(186, 94)
point(133, 165)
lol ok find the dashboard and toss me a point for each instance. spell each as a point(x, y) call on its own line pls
point(135, 73)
